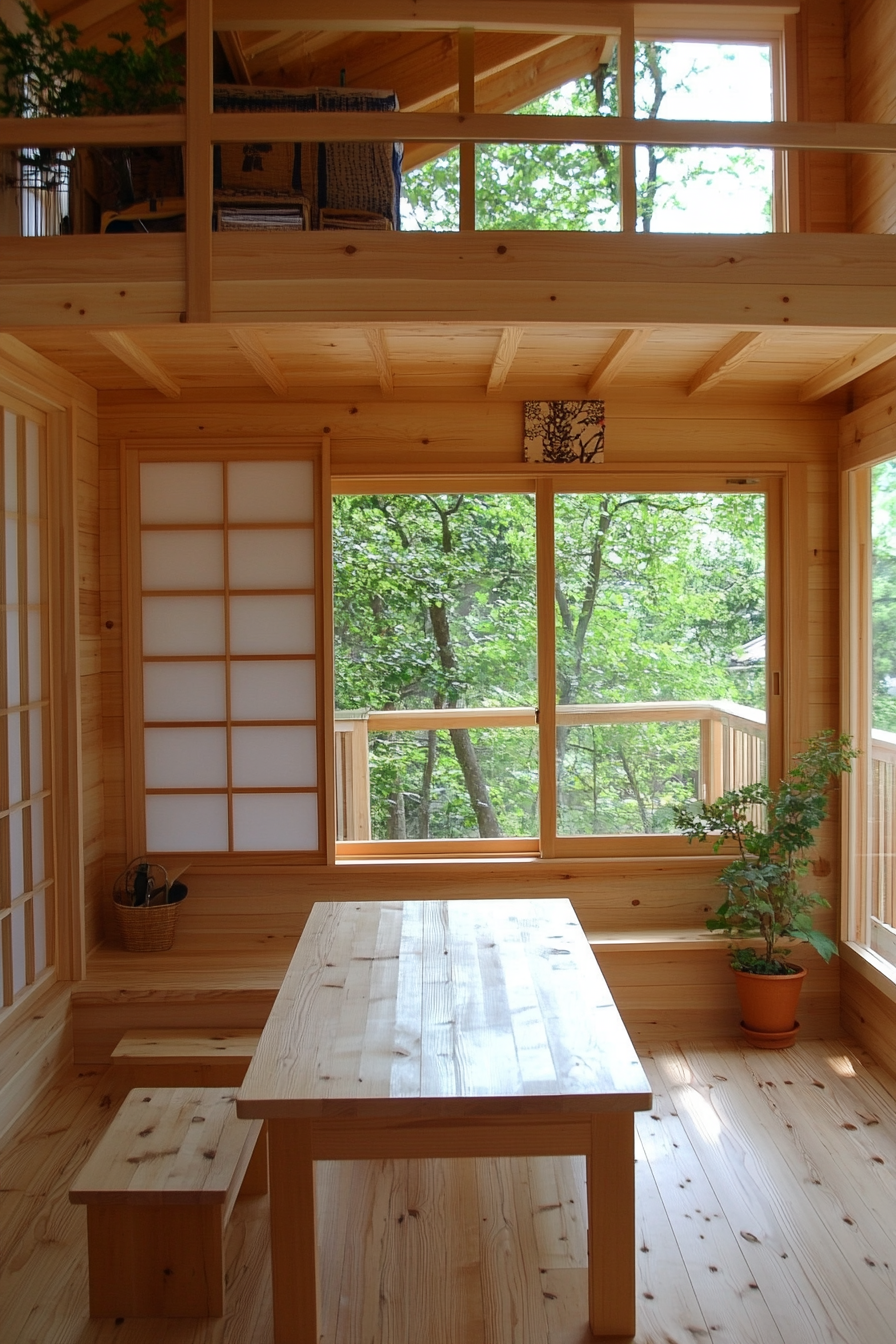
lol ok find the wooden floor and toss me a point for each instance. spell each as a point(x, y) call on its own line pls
point(766, 1215)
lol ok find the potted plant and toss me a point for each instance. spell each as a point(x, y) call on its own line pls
point(773, 830)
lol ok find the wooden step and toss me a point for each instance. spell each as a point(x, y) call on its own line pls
point(184, 1058)
point(159, 1189)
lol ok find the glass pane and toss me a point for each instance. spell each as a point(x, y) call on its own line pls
point(274, 757)
point(570, 188)
point(184, 691)
point(432, 785)
point(882, 902)
point(18, 948)
point(38, 843)
point(271, 559)
point(36, 749)
point(186, 822)
point(270, 492)
point(185, 758)
point(280, 690)
point(35, 657)
point(13, 684)
point(186, 625)
point(16, 855)
point(660, 600)
point(183, 560)
point(272, 625)
point(275, 821)
point(14, 756)
point(181, 492)
point(39, 909)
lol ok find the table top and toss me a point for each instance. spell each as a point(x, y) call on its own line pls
point(435, 1009)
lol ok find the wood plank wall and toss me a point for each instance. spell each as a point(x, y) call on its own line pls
point(872, 97)
point(379, 436)
point(821, 62)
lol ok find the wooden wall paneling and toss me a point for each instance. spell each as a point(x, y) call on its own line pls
point(872, 97)
point(34, 1052)
point(87, 470)
point(823, 98)
point(868, 1007)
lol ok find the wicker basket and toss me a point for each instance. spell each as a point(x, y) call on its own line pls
point(146, 928)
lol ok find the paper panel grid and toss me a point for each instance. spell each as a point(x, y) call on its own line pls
point(272, 624)
point(18, 948)
point(185, 625)
point(276, 690)
point(271, 558)
point(184, 691)
point(183, 822)
point(35, 656)
point(38, 843)
point(264, 821)
point(40, 931)
point(185, 758)
point(173, 560)
point(270, 492)
point(36, 749)
point(181, 492)
point(13, 687)
point(11, 545)
point(274, 757)
point(14, 757)
point(16, 855)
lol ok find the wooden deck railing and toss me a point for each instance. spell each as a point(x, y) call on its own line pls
point(732, 742)
point(882, 904)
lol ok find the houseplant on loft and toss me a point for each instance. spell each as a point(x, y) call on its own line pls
point(773, 830)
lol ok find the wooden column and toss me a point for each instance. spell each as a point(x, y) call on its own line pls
point(466, 104)
point(547, 674)
point(625, 76)
point(199, 160)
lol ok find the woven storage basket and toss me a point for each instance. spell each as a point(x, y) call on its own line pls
point(146, 928)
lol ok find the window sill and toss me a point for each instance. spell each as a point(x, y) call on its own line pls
point(871, 967)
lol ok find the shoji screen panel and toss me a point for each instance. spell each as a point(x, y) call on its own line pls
point(26, 850)
point(228, 626)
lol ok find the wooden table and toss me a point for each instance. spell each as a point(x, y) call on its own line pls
point(446, 1029)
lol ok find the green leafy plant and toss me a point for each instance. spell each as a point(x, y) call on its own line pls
point(765, 897)
point(45, 73)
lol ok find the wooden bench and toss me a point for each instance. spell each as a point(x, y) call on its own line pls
point(159, 1188)
point(184, 1058)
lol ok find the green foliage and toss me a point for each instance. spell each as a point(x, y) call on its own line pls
point(883, 596)
point(46, 73)
point(764, 895)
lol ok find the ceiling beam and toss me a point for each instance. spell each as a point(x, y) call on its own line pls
point(250, 343)
point(504, 357)
point(236, 57)
point(722, 364)
point(624, 348)
point(129, 352)
point(524, 16)
point(852, 366)
point(376, 339)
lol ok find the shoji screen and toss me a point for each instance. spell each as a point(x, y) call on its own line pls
point(229, 636)
point(26, 851)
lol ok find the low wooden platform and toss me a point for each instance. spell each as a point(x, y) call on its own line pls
point(766, 1215)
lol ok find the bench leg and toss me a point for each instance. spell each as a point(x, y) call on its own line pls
point(145, 1260)
point(255, 1181)
point(293, 1232)
point(611, 1224)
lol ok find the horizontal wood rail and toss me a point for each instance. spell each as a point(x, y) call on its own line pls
point(450, 128)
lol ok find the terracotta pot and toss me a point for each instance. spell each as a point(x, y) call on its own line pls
point(768, 1004)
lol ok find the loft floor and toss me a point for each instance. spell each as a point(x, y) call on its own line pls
point(766, 1215)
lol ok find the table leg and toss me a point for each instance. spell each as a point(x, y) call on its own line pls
point(293, 1233)
point(611, 1224)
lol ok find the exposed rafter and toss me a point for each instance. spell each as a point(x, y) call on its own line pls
point(236, 57)
point(723, 363)
point(129, 352)
point(252, 347)
point(852, 366)
point(504, 357)
point(624, 348)
point(376, 339)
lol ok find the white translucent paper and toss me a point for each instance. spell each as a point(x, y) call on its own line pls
point(39, 908)
point(14, 757)
point(271, 558)
point(184, 692)
point(13, 687)
point(36, 749)
point(274, 757)
point(32, 469)
point(11, 545)
point(38, 843)
point(177, 823)
point(270, 492)
point(183, 625)
point(174, 560)
point(272, 624)
point(181, 492)
point(16, 855)
point(18, 948)
point(263, 821)
point(34, 562)
point(185, 758)
point(35, 657)
point(273, 690)
point(10, 461)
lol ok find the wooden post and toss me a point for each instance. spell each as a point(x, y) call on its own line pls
point(199, 161)
point(547, 676)
point(466, 104)
point(625, 76)
point(712, 773)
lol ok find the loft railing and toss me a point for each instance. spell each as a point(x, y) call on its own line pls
point(199, 128)
point(732, 743)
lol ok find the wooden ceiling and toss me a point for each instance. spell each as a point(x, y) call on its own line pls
point(417, 359)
